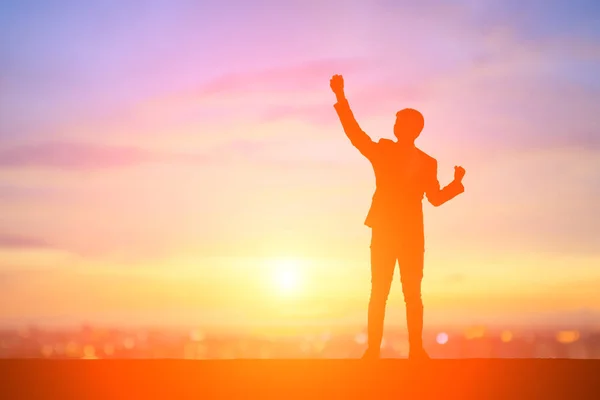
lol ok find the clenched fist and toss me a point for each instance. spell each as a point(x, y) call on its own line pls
point(337, 84)
point(459, 173)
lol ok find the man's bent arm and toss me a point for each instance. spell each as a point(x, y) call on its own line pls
point(357, 136)
point(437, 196)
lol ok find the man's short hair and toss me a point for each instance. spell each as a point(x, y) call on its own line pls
point(412, 119)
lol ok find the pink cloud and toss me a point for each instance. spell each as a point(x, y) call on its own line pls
point(22, 242)
point(82, 156)
point(318, 114)
point(309, 76)
point(21, 193)
point(71, 155)
point(371, 100)
point(305, 76)
point(232, 97)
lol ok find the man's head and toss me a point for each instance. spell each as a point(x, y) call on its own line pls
point(408, 126)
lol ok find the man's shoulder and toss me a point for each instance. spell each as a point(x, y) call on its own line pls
point(383, 142)
point(385, 146)
point(426, 157)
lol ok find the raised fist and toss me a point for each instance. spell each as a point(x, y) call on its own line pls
point(337, 84)
point(459, 173)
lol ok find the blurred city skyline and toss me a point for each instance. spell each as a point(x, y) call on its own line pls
point(97, 342)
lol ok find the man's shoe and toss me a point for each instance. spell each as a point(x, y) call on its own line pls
point(370, 355)
point(418, 355)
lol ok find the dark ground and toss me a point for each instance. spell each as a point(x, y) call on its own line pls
point(305, 379)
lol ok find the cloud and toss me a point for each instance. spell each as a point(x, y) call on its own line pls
point(73, 155)
point(19, 193)
point(318, 114)
point(22, 242)
point(299, 153)
point(231, 91)
point(300, 77)
point(368, 99)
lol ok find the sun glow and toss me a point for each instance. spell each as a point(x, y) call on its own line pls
point(286, 275)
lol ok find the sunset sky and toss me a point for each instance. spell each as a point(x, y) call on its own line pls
point(181, 161)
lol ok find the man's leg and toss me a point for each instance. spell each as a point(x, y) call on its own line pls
point(411, 275)
point(383, 262)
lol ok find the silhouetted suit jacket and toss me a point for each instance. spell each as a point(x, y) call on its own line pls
point(402, 178)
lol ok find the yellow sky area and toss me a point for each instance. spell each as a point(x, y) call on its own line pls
point(277, 289)
point(142, 237)
point(35, 259)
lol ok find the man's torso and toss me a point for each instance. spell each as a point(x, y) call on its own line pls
point(401, 178)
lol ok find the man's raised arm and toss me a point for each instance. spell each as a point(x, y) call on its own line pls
point(437, 196)
point(357, 136)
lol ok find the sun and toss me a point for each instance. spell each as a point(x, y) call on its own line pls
point(287, 279)
point(286, 275)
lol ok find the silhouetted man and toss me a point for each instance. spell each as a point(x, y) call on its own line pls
point(403, 174)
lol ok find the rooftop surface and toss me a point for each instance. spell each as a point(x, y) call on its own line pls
point(307, 379)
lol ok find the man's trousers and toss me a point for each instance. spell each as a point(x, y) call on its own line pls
point(387, 249)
